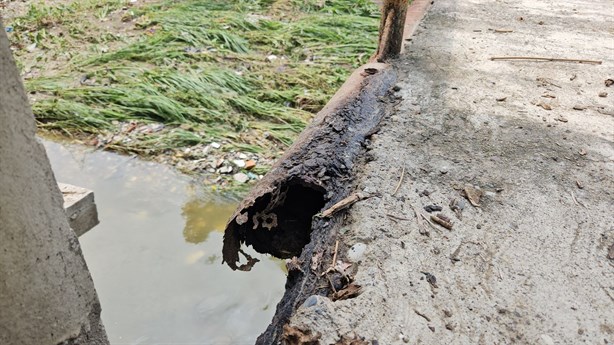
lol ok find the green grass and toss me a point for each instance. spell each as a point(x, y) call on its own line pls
point(199, 67)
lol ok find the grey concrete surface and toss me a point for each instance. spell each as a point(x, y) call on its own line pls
point(531, 263)
point(47, 296)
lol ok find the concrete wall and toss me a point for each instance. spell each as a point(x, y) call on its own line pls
point(47, 296)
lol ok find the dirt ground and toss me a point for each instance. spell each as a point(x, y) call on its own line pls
point(534, 262)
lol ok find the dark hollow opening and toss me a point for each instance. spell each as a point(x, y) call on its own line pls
point(285, 229)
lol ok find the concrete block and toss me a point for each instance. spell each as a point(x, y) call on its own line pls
point(80, 208)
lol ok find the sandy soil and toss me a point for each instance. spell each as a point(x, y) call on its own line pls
point(530, 264)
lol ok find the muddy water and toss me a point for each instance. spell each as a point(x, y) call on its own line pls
point(156, 255)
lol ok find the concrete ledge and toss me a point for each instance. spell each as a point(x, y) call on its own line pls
point(80, 208)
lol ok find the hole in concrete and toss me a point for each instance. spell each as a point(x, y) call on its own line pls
point(279, 223)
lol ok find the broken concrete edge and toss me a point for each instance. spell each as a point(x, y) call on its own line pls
point(340, 126)
point(80, 208)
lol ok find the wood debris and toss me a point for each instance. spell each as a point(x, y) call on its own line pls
point(345, 203)
point(442, 220)
point(539, 58)
point(396, 189)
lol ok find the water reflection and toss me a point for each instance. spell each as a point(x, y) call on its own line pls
point(155, 256)
point(203, 217)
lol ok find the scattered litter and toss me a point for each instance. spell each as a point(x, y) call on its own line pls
point(561, 119)
point(8, 29)
point(215, 145)
point(573, 77)
point(501, 99)
point(473, 195)
point(239, 163)
point(433, 208)
point(547, 95)
point(503, 31)
point(603, 94)
point(579, 184)
point(31, 47)
point(582, 152)
point(442, 220)
point(271, 58)
point(579, 107)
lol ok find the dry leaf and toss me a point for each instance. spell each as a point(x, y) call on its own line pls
point(295, 336)
point(349, 291)
point(473, 195)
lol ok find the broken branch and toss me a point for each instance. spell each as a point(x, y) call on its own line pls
point(538, 58)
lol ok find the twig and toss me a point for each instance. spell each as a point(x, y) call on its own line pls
point(421, 314)
point(396, 189)
point(332, 265)
point(335, 254)
point(421, 228)
point(538, 58)
point(345, 203)
point(443, 222)
point(396, 217)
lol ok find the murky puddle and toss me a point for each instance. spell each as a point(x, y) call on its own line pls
point(155, 257)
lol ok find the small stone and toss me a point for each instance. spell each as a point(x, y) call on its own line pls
point(250, 164)
point(239, 163)
point(432, 208)
point(240, 177)
point(215, 145)
point(579, 107)
point(227, 169)
point(356, 252)
point(603, 94)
